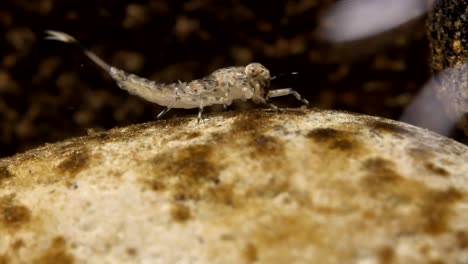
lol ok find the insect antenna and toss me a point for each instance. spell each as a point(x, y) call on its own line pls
point(282, 74)
point(63, 37)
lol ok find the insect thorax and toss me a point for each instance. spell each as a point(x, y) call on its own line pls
point(235, 83)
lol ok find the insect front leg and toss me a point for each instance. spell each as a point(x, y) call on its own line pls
point(262, 100)
point(284, 92)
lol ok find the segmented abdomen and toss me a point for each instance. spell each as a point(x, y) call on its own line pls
point(172, 95)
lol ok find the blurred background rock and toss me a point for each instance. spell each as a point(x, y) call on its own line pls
point(50, 91)
point(448, 34)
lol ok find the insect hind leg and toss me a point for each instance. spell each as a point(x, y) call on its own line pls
point(284, 92)
point(163, 112)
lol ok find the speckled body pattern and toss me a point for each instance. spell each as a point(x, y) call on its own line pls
point(220, 87)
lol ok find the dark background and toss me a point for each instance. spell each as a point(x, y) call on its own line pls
point(50, 90)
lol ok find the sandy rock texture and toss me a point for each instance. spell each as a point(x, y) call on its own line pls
point(300, 186)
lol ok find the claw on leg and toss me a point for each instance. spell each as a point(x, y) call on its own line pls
point(163, 112)
point(272, 106)
point(262, 100)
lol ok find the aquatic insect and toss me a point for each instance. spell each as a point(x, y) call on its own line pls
point(220, 87)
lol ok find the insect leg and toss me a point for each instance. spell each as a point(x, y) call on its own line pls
point(263, 101)
point(200, 111)
point(284, 92)
point(274, 107)
point(163, 112)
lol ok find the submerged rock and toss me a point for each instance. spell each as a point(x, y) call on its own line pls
point(300, 186)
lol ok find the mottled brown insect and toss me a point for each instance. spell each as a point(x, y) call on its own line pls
point(220, 87)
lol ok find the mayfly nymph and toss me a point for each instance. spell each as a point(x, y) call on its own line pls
point(220, 87)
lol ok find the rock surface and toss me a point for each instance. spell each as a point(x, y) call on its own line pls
point(300, 186)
